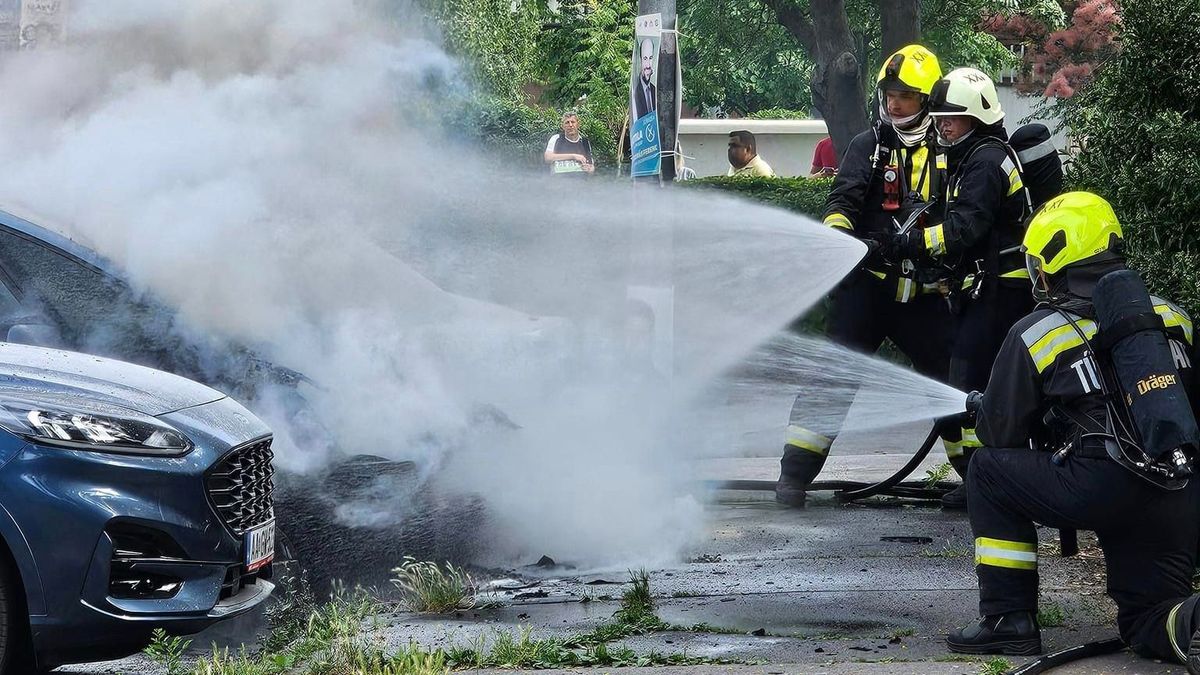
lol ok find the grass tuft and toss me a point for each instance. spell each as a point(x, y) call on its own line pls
point(428, 588)
point(167, 651)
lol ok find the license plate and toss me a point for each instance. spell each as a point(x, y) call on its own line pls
point(260, 545)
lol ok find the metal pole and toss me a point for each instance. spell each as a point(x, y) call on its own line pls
point(668, 84)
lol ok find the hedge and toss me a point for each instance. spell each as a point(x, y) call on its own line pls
point(801, 195)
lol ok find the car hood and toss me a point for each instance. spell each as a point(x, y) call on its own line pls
point(38, 373)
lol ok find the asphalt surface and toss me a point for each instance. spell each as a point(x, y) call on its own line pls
point(829, 589)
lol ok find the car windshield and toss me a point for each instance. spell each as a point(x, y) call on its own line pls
point(96, 311)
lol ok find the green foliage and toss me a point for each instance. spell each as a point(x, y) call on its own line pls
point(801, 195)
point(427, 587)
point(736, 58)
point(518, 132)
point(778, 114)
point(588, 52)
point(1051, 615)
point(995, 666)
point(937, 474)
point(1140, 129)
point(167, 651)
point(288, 611)
point(497, 39)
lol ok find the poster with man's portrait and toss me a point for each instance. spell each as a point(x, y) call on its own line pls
point(644, 143)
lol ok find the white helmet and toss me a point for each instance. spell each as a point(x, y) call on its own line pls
point(966, 91)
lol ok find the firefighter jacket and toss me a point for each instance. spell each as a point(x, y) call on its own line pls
point(856, 202)
point(1044, 363)
point(986, 204)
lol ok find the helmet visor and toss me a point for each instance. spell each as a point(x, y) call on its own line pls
point(1033, 266)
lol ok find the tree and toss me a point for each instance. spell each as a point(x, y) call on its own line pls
point(1060, 58)
point(843, 41)
point(1139, 122)
point(498, 40)
point(737, 59)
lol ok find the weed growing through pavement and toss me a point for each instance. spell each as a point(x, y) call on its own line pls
point(288, 611)
point(948, 550)
point(343, 637)
point(427, 587)
point(1051, 615)
point(167, 651)
point(937, 474)
point(996, 666)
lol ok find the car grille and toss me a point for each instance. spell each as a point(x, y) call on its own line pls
point(240, 487)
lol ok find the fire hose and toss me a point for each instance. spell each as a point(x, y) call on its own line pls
point(848, 491)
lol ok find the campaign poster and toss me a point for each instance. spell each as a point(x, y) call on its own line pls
point(644, 144)
point(42, 23)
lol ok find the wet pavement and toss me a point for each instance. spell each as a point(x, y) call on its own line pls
point(829, 589)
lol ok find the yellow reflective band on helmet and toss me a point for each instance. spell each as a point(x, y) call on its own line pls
point(1179, 653)
point(935, 240)
point(1059, 340)
point(969, 439)
point(808, 440)
point(838, 220)
point(1172, 317)
point(1016, 555)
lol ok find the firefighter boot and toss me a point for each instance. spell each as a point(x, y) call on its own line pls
point(956, 499)
point(798, 468)
point(1014, 633)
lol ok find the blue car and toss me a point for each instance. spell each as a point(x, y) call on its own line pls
point(130, 499)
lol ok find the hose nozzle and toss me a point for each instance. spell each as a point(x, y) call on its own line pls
point(974, 402)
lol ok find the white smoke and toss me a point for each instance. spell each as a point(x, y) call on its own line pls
point(273, 168)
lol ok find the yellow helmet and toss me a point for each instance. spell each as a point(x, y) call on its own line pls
point(1072, 228)
point(912, 68)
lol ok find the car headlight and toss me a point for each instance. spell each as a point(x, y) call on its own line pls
point(88, 427)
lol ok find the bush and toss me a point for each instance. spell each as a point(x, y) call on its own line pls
point(778, 114)
point(519, 132)
point(1140, 124)
point(805, 196)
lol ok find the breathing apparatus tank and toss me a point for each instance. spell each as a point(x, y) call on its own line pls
point(1133, 341)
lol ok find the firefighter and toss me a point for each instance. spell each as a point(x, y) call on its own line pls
point(1045, 421)
point(979, 238)
point(888, 173)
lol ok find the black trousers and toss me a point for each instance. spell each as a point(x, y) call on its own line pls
point(1148, 535)
point(984, 324)
point(863, 312)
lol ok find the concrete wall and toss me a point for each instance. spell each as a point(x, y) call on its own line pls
point(787, 145)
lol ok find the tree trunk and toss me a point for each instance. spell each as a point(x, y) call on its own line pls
point(900, 21)
point(837, 84)
point(838, 81)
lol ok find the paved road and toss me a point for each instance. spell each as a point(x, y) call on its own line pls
point(830, 589)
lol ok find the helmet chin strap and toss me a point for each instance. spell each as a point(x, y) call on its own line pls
point(950, 144)
point(912, 130)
